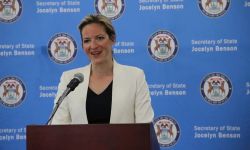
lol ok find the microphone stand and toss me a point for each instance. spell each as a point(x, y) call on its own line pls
point(58, 103)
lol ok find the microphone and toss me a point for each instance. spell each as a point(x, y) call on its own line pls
point(78, 78)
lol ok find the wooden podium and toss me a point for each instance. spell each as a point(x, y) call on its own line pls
point(92, 137)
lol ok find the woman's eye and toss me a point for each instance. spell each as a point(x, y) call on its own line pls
point(86, 41)
point(99, 38)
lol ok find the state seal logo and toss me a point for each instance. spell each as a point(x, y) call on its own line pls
point(167, 131)
point(112, 9)
point(162, 46)
point(12, 91)
point(214, 8)
point(10, 10)
point(216, 88)
point(62, 48)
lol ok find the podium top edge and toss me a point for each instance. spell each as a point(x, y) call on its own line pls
point(116, 124)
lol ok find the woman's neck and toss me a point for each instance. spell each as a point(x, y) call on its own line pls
point(104, 69)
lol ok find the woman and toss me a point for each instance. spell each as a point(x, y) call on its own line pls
point(110, 92)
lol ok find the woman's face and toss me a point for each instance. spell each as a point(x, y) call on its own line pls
point(97, 44)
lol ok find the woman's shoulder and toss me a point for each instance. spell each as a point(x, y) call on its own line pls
point(129, 69)
point(74, 71)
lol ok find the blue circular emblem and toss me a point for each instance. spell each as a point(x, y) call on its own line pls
point(112, 9)
point(167, 131)
point(216, 88)
point(214, 8)
point(162, 46)
point(12, 91)
point(10, 10)
point(62, 48)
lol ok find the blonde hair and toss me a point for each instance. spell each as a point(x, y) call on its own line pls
point(99, 19)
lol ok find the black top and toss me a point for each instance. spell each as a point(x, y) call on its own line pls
point(98, 107)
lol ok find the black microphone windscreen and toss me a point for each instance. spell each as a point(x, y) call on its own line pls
point(78, 78)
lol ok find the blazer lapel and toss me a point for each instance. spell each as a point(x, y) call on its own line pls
point(80, 98)
point(115, 92)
